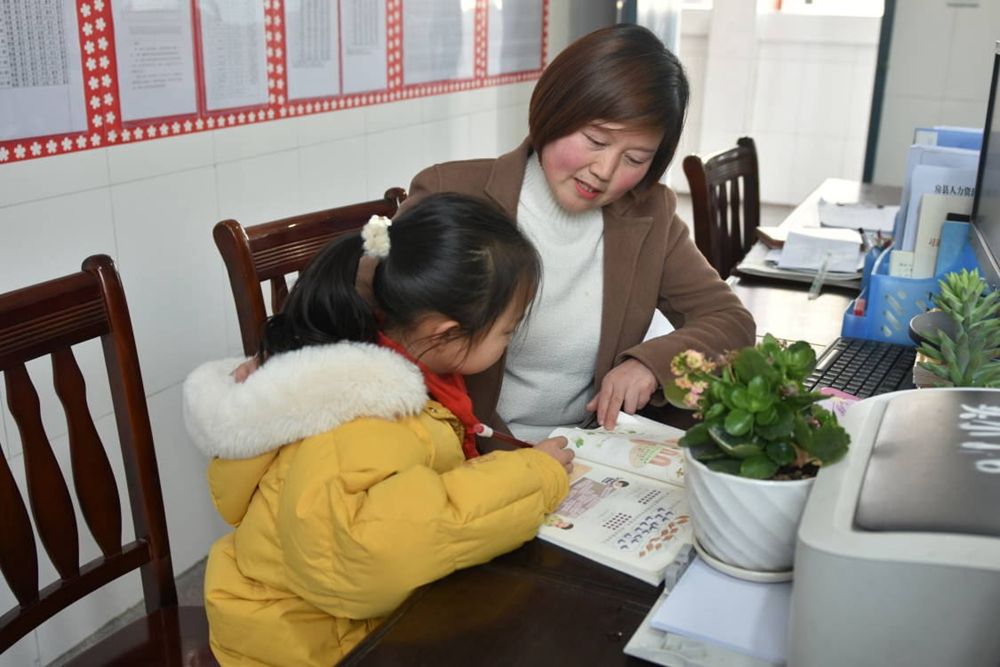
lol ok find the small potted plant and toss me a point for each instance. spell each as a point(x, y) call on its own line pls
point(752, 458)
point(968, 356)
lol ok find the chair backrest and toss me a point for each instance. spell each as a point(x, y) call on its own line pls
point(725, 198)
point(269, 251)
point(46, 320)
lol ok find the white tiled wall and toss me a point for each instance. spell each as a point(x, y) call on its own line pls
point(332, 171)
point(182, 478)
point(800, 85)
point(174, 279)
point(130, 162)
point(694, 56)
point(940, 60)
point(54, 176)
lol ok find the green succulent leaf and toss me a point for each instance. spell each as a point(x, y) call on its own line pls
point(707, 451)
point(740, 398)
point(715, 411)
point(766, 417)
point(758, 466)
point(738, 422)
point(728, 466)
point(801, 433)
point(760, 396)
point(696, 435)
point(716, 391)
point(735, 447)
point(801, 359)
point(782, 453)
point(751, 363)
point(966, 358)
point(782, 428)
point(829, 442)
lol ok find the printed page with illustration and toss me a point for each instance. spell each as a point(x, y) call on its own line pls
point(626, 506)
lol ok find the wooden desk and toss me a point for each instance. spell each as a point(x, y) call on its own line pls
point(843, 191)
point(782, 307)
point(542, 605)
point(538, 605)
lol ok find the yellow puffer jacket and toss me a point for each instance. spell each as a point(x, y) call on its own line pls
point(348, 489)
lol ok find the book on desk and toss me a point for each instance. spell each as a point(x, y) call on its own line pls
point(626, 506)
point(757, 263)
point(843, 206)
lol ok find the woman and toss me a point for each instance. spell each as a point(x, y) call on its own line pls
point(604, 122)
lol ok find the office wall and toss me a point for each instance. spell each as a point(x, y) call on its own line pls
point(152, 207)
point(800, 85)
point(940, 59)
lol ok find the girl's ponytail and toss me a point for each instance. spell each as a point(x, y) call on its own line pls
point(324, 306)
point(448, 254)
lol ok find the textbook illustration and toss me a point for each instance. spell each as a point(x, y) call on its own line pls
point(626, 506)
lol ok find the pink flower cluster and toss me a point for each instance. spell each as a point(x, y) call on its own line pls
point(692, 372)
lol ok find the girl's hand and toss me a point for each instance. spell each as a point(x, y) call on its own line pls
point(245, 370)
point(557, 449)
point(628, 386)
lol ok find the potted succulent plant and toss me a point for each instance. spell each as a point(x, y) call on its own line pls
point(752, 458)
point(968, 356)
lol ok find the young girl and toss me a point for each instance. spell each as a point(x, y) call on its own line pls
point(348, 486)
point(604, 121)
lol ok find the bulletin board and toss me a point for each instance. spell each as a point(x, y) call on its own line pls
point(83, 74)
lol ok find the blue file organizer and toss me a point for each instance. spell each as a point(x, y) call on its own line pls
point(891, 301)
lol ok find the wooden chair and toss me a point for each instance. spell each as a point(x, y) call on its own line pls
point(46, 319)
point(725, 198)
point(271, 250)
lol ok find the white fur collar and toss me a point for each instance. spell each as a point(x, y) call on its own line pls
point(295, 395)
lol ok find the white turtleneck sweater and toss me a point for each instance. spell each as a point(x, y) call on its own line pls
point(550, 363)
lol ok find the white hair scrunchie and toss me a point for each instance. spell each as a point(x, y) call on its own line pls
point(375, 235)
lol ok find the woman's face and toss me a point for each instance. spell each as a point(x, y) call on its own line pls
point(597, 164)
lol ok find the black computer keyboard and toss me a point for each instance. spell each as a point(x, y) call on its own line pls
point(864, 367)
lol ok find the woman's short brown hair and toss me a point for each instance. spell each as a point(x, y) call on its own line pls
point(619, 74)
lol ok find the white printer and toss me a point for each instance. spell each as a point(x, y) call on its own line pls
point(898, 553)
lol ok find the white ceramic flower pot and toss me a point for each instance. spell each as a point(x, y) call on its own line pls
point(747, 523)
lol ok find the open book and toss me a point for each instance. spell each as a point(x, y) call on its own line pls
point(626, 506)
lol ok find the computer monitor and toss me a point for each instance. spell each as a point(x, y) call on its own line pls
point(985, 235)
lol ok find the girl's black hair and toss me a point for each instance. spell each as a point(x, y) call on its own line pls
point(450, 254)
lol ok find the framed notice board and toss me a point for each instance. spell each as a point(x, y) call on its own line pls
point(82, 74)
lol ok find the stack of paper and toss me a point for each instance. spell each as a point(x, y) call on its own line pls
point(742, 616)
point(815, 248)
point(929, 160)
point(928, 179)
point(934, 210)
point(857, 215)
point(760, 261)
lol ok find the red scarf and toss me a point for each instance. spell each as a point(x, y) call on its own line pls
point(448, 390)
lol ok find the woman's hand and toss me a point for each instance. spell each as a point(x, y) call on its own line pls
point(628, 386)
point(556, 448)
point(245, 370)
